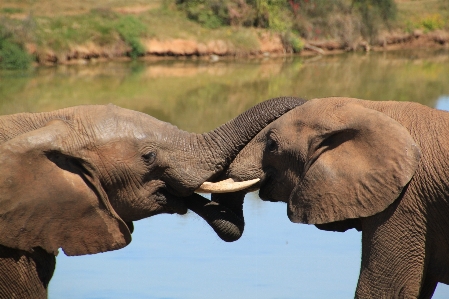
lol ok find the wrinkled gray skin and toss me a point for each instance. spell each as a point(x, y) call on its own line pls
point(76, 178)
point(379, 167)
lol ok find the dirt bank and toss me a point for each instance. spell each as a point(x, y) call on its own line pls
point(269, 45)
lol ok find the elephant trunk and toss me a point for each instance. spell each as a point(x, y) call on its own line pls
point(212, 152)
point(226, 141)
point(226, 219)
point(205, 156)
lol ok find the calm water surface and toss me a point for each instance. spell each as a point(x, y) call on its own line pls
point(174, 256)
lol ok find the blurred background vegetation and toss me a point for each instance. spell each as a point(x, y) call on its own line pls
point(32, 30)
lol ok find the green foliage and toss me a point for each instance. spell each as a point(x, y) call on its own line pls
point(293, 41)
point(130, 29)
point(212, 14)
point(61, 32)
point(385, 9)
point(297, 44)
point(100, 26)
point(428, 22)
point(12, 52)
point(272, 14)
point(374, 13)
point(432, 22)
point(315, 18)
point(12, 55)
point(310, 18)
point(11, 10)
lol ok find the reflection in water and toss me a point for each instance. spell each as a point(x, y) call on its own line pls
point(180, 256)
point(198, 96)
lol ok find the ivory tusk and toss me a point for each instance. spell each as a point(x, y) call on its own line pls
point(225, 186)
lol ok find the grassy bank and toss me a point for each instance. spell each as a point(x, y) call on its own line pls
point(53, 31)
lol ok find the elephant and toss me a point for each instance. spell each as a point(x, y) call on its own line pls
point(77, 178)
point(381, 167)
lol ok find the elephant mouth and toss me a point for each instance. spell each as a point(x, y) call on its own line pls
point(267, 187)
point(172, 204)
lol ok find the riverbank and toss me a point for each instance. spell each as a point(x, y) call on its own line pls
point(56, 32)
point(269, 45)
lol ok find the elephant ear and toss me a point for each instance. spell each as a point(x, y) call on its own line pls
point(358, 162)
point(49, 199)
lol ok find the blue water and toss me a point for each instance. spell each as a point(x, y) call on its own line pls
point(443, 102)
point(181, 257)
point(174, 256)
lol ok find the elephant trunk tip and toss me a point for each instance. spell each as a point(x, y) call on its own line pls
point(226, 232)
point(226, 223)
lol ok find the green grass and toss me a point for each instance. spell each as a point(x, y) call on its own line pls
point(60, 32)
point(423, 14)
point(11, 10)
point(13, 56)
point(51, 8)
point(106, 27)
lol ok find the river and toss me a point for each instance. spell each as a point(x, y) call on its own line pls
point(176, 257)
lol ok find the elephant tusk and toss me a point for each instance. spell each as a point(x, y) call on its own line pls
point(225, 186)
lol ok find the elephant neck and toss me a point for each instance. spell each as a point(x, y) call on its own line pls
point(14, 125)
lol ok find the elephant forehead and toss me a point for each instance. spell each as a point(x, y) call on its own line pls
point(321, 114)
point(111, 131)
point(114, 128)
point(117, 150)
point(120, 120)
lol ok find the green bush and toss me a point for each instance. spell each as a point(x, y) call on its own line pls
point(374, 13)
point(130, 30)
point(212, 14)
point(13, 56)
point(432, 22)
point(293, 41)
point(273, 14)
point(315, 18)
point(385, 9)
point(310, 18)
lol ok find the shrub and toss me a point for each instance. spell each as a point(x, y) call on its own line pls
point(432, 22)
point(272, 14)
point(293, 41)
point(210, 13)
point(373, 14)
point(12, 52)
point(12, 55)
point(130, 30)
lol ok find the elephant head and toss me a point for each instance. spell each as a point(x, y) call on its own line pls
point(333, 161)
point(76, 178)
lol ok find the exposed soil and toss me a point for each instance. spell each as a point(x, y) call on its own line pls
point(269, 45)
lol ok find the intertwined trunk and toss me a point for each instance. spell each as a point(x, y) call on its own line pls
point(216, 150)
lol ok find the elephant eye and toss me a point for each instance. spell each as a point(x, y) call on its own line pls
point(149, 157)
point(271, 145)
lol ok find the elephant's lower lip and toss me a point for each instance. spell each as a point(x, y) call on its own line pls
point(172, 203)
point(265, 187)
